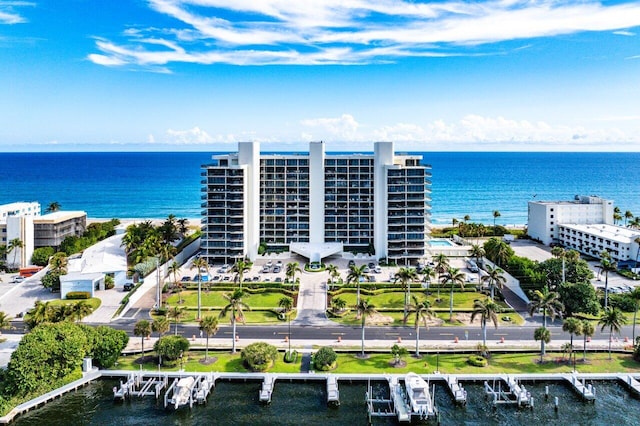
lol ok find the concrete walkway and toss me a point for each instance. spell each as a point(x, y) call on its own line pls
point(312, 299)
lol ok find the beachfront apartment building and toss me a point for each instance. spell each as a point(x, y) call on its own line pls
point(315, 204)
point(23, 221)
point(545, 217)
point(14, 219)
point(622, 244)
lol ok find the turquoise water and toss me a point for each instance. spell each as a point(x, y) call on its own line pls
point(305, 403)
point(154, 185)
point(440, 243)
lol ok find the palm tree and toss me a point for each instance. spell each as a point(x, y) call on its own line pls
point(477, 252)
point(143, 329)
point(199, 263)
point(176, 313)
point(58, 263)
point(614, 319)
point(496, 214)
point(544, 335)
point(627, 215)
point(41, 312)
point(572, 326)
point(5, 321)
point(405, 276)
point(239, 268)
point(236, 306)
point(338, 304)
point(617, 217)
point(607, 265)
point(174, 269)
point(160, 325)
point(286, 303)
point(442, 263)
point(333, 272)
point(209, 326)
point(635, 296)
point(364, 309)
point(53, 207)
point(15, 244)
point(587, 331)
point(291, 270)
point(422, 312)
point(355, 275)
point(453, 276)
point(487, 310)
point(427, 273)
point(498, 251)
point(81, 309)
point(549, 303)
point(494, 278)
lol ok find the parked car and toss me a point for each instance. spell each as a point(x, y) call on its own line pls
point(17, 279)
point(227, 278)
point(377, 270)
point(256, 278)
point(266, 269)
point(186, 278)
point(215, 278)
point(276, 269)
point(352, 263)
point(224, 269)
point(371, 265)
point(366, 270)
point(128, 286)
point(278, 280)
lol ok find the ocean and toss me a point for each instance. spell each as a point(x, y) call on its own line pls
point(156, 184)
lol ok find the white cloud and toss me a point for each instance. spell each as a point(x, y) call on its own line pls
point(624, 33)
point(471, 132)
point(349, 31)
point(344, 127)
point(8, 14)
point(189, 137)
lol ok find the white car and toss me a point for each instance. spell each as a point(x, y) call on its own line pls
point(17, 279)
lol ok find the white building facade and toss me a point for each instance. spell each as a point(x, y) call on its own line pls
point(621, 243)
point(16, 221)
point(315, 204)
point(545, 217)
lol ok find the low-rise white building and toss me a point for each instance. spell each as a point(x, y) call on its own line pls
point(621, 243)
point(16, 221)
point(545, 217)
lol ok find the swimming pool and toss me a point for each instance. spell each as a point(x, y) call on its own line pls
point(441, 242)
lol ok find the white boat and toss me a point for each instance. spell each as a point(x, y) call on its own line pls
point(182, 393)
point(419, 395)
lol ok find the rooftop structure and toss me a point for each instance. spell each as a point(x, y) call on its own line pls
point(315, 204)
point(545, 216)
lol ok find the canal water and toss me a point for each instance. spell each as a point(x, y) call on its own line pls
point(305, 403)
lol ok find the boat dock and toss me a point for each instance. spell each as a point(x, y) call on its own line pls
point(631, 383)
point(513, 393)
point(587, 391)
point(456, 390)
point(404, 402)
point(333, 394)
point(267, 388)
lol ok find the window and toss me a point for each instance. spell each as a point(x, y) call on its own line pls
point(551, 216)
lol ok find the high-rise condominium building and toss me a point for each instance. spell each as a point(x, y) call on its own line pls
point(315, 204)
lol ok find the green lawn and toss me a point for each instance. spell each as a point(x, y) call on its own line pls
point(225, 362)
point(94, 302)
point(395, 299)
point(380, 364)
point(251, 317)
point(215, 299)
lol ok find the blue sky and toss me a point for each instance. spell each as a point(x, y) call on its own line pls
point(203, 74)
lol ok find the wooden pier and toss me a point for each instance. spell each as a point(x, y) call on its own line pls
point(514, 393)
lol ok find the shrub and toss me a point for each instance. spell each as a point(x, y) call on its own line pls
point(78, 295)
point(171, 347)
point(109, 282)
point(290, 356)
point(259, 356)
point(624, 302)
point(325, 359)
point(41, 256)
point(477, 361)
